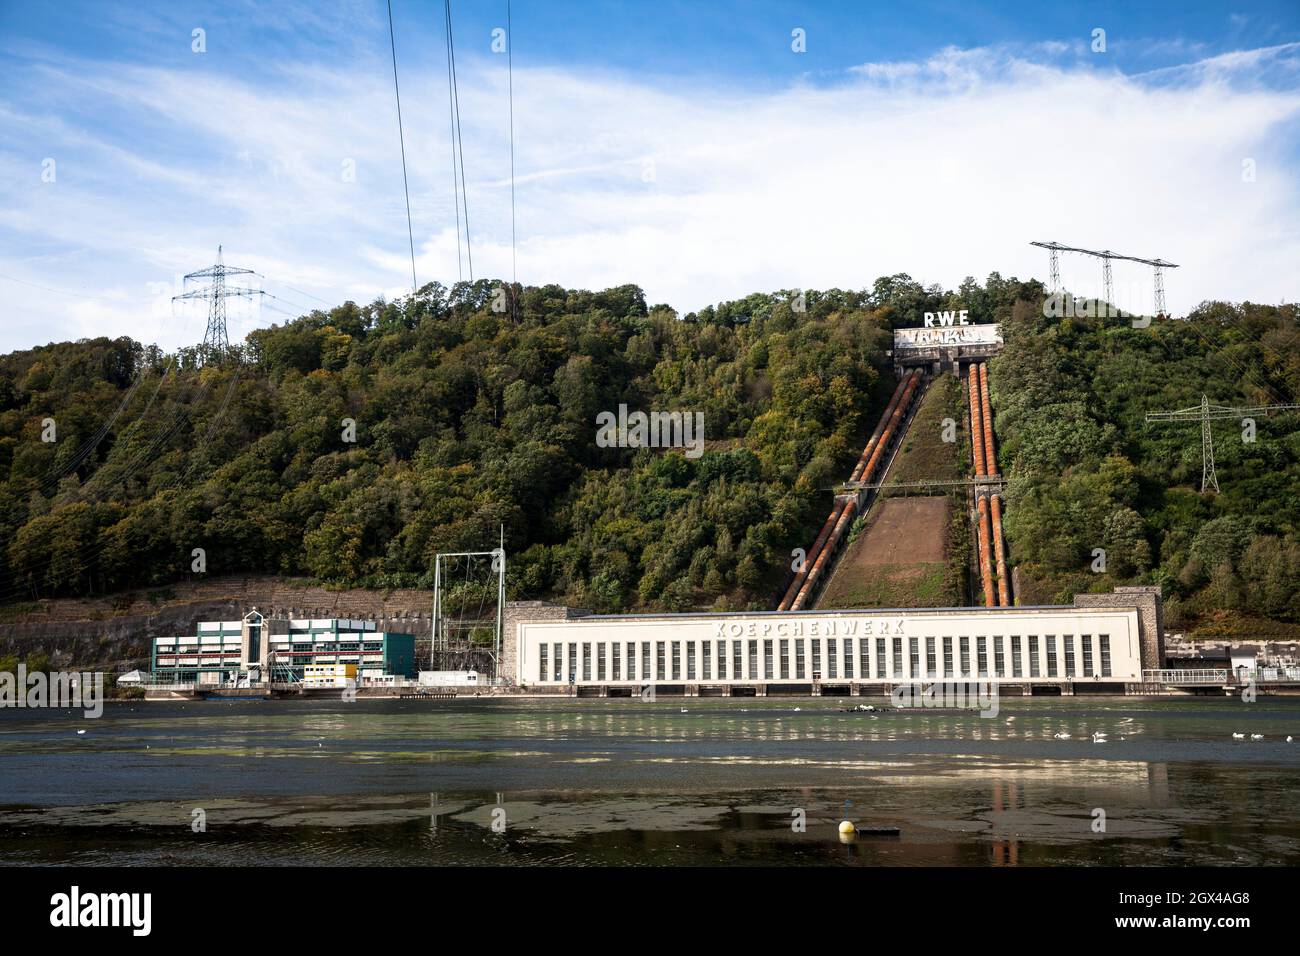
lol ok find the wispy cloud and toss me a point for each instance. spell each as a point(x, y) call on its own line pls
point(943, 167)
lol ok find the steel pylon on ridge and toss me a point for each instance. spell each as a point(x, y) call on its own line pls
point(216, 339)
point(1106, 256)
point(1205, 413)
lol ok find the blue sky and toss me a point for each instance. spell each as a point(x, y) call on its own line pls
point(682, 146)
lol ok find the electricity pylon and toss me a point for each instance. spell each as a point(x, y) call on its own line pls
point(216, 341)
point(1106, 256)
point(1205, 413)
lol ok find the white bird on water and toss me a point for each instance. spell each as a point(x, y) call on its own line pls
point(1288, 738)
point(1098, 737)
point(80, 731)
point(1237, 736)
point(1061, 736)
point(1256, 736)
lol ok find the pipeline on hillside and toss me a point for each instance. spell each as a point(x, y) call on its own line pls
point(1004, 586)
point(850, 506)
point(880, 427)
point(983, 524)
point(976, 432)
point(991, 468)
point(802, 574)
point(833, 530)
point(990, 457)
point(986, 554)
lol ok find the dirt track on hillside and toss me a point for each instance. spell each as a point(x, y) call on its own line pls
point(896, 559)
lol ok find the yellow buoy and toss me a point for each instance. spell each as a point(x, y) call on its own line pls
point(846, 827)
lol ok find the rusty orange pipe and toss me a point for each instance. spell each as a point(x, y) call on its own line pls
point(850, 506)
point(1004, 584)
point(990, 456)
point(822, 535)
point(880, 427)
point(888, 434)
point(976, 415)
point(986, 560)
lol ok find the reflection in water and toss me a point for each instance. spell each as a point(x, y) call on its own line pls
point(598, 781)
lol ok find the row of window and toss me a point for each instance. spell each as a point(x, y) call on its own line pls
point(821, 659)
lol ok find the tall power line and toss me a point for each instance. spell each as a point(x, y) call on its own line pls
point(1106, 257)
point(216, 340)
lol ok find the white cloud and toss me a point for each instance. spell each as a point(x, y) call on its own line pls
point(943, 168)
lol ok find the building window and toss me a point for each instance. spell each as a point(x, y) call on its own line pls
point(1105, 654)
point(1033, 655)
point(914, 656)
point(630, 648)
point(1069, 656)
point(864, 657)
point(1087, 655)
point(646, 673)
point(785, 659)
point(947, 657)
point(600, 661)
point(999, 656)
point(690, 660)
point(799, 660)
point(722, 660)
point(586, 662)
point(661, 669)
point(753, 660)
point(848, 657)
point(817, 658)
point(982, 656)
point(769, 668)
point(965, 656)
point(706, 648)
point(573, 663)
point(677, 660)
point(558, 656)
point(931, 667)
point(1051, 656)
point(898, 657)
point(832, 660)
point(541, 663)
point(880, 657)
point(614, 669)
point(1017, 659)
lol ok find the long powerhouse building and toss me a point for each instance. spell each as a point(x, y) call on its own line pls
point(1102, 641)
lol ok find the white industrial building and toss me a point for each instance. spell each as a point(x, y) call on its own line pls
point(1102, 639)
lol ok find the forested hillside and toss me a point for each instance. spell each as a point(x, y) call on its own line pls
point(465, 419)
point(1087, 471)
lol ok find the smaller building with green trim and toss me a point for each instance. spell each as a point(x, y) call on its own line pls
point(279, 649)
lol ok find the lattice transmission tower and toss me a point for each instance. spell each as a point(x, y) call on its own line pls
point(1205, 413)
point(216, 340)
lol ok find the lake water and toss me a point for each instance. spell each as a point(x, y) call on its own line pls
point(694, 781)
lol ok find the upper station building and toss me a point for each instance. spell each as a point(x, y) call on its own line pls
point(280, 650)
point(945, 340)
point(1102, 642)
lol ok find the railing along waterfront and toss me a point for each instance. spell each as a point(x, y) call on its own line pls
point(1181, 676)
